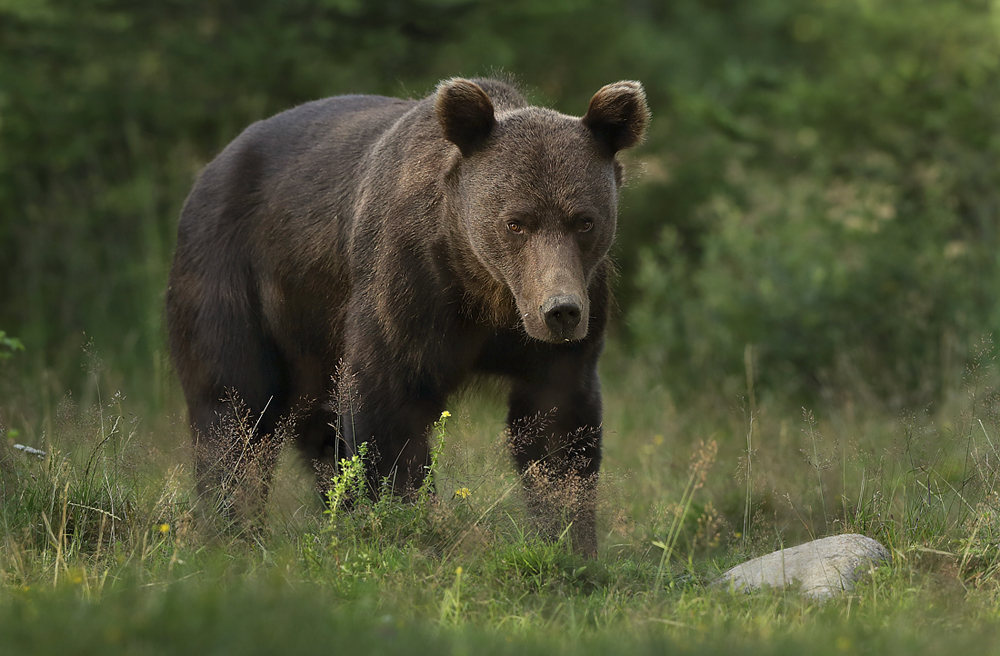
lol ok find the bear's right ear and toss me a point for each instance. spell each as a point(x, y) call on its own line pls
point(618, 115)
point(465, 113)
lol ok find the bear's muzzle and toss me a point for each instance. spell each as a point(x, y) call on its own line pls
point(562, 315)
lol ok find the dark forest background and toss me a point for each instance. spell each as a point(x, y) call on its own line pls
point(816, 208)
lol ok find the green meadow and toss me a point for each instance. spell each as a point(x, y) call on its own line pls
point(106, 549)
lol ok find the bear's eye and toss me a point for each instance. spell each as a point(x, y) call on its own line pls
point(515, 227)
point(585, 225)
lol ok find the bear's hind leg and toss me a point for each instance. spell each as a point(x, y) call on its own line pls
point(235, 453)
point(235, 379)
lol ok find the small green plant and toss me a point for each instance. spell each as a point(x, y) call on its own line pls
point(359, 524)
point(746, 470)
point(818, 460)
point(348, 486)
point(701, 462)
point(439, 432)
point(451, 604)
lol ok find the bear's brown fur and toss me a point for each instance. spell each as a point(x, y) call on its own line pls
point(405, 246)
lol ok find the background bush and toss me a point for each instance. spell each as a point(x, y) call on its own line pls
point(838, 216)
point(817, 201)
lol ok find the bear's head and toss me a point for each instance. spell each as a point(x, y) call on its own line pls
point(536, 194)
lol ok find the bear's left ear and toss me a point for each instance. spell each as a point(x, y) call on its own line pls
point(465, 114)
point(618, 115)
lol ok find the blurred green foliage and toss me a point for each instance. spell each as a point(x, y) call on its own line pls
point(819, 189)
point(8, 345)
point(831, 207)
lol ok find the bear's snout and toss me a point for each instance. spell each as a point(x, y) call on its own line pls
point(562, 314)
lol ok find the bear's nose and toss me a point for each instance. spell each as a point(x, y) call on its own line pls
point(562, 314)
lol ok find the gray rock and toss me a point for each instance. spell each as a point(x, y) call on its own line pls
point(823, 568)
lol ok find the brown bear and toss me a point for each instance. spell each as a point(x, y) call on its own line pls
point(404, 246)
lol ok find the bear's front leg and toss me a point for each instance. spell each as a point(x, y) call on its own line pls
point(555, 439)
point(393, 416)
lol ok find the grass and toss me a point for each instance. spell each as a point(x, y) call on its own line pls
point(105, 551)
